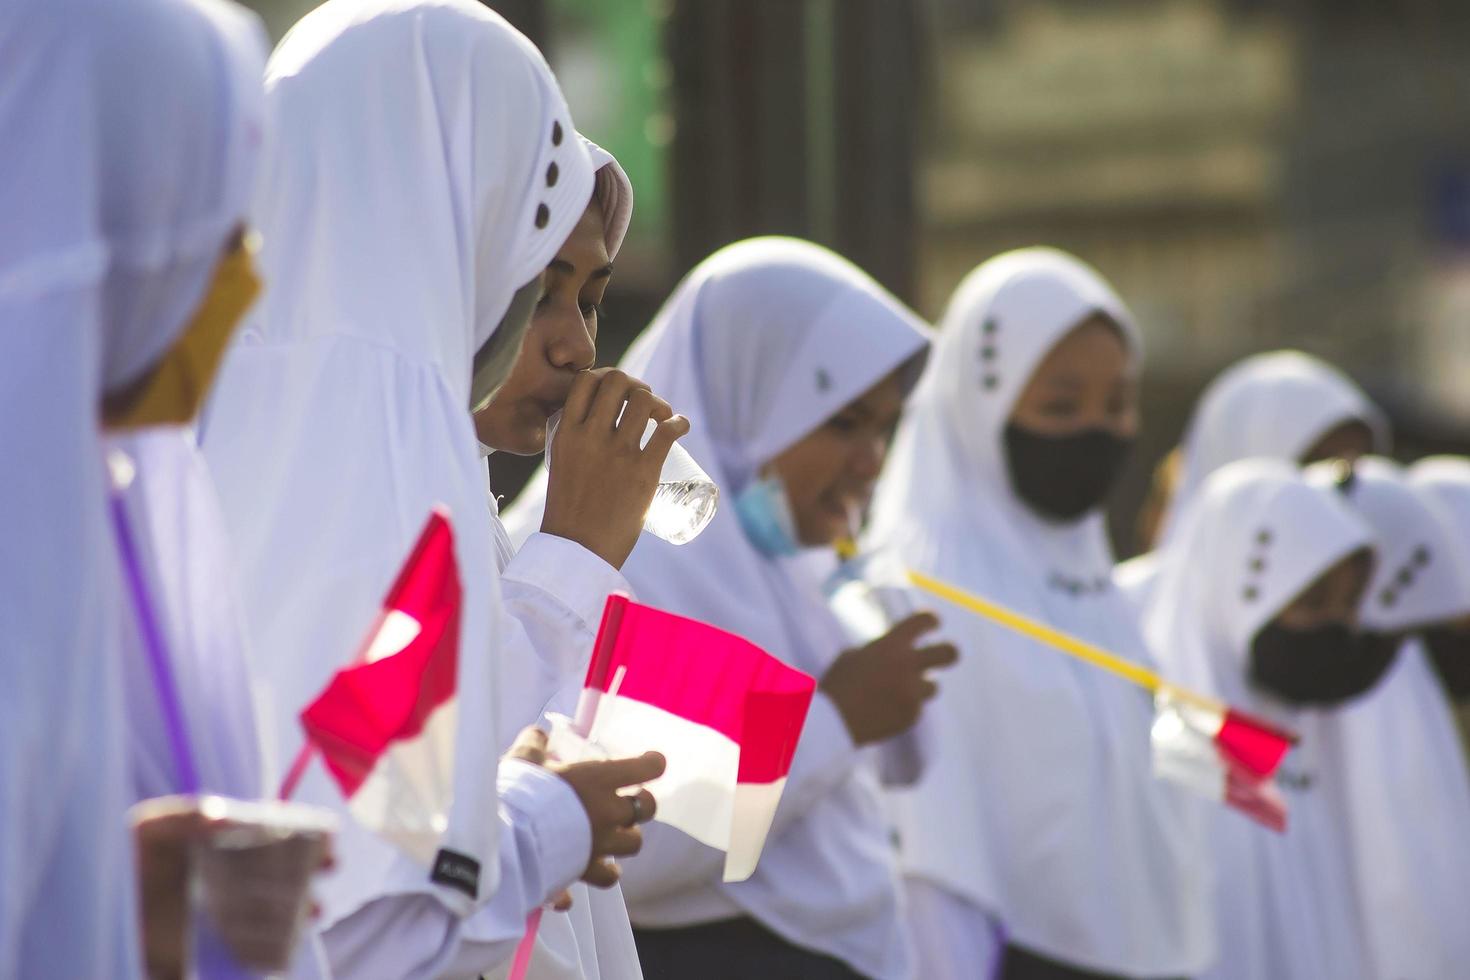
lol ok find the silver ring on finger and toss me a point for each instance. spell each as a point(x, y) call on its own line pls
point(637, 800)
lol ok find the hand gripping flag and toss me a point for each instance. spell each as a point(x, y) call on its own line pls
point(724, 713)
point(1198, 742)
point(385, 725)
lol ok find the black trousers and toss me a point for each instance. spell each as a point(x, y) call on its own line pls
point(732, 949)
point(1022, 964)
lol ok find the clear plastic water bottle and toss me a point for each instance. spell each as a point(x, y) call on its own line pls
point(686, 498)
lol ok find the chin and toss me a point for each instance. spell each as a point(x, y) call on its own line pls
point(526, 443)
point(821, 535)
point(522, 435)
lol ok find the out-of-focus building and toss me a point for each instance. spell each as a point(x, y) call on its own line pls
point(1250, 174)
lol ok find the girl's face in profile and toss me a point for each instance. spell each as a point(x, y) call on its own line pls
point(830, 473)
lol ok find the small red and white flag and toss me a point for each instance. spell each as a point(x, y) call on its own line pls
point(385, 725)
point(1220, 753)
point(724, 713)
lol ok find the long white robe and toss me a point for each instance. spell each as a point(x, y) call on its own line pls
point(401, 210)
point(1040, 800)
point(188, 569)
point(1404, 788)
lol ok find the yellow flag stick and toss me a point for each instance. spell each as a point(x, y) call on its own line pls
point(1065, 642)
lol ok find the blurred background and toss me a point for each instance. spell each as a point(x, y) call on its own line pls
point(1249, 174)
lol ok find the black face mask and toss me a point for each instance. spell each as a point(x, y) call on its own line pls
point(1323, 666)
point(1450, 650)
point(1063, 477)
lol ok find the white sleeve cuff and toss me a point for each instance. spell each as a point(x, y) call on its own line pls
point(574, 576)
point(545, 812)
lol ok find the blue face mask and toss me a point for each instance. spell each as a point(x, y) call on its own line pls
point(765, 514)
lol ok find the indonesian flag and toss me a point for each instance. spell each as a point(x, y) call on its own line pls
point(385, 725)
point(1220, 753)
point(724, 713)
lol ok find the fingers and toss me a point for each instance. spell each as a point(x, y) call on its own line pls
point(616, 388)
point(915, 626)
point(640, 407)
point(646, 807)
point(926, 689)
point(579, 400)
point(530, 746)
point(621, 842)
point(668, 431)
point(938, 655)
point(602, 873)
point(562, 902)
point(617, 773)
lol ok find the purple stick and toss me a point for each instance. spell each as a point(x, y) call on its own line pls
point(158, 661)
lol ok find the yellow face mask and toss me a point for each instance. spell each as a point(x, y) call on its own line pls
point(171, 392)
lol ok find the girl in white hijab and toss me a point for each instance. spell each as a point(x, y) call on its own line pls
point(407, 211)
point(1447, 480)
point(1038, 837)
point(776, 348)
point(1256, 603)
point(553, 588)
point(1405, 790)
point(129, 128)
point(1281, 405)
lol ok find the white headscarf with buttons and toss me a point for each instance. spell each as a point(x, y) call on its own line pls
point(1276, 405)
point(1397, 751)
point(423, 168)
point(1040, 797)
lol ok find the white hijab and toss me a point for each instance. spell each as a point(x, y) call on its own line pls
point(128, 130)
point(1278, 405)
point(1397, 749)
point(423, 168)
point(1041, 798)
point(1275, 405)
point(1447, 480)
point(1253, 538)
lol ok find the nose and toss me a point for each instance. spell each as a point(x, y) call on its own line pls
point(569, 343)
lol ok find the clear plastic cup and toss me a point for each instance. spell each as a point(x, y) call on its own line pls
point(566, 743)
point(869, 597)
point(251, 866)
point(686, 498)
